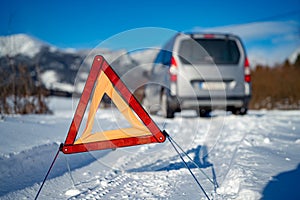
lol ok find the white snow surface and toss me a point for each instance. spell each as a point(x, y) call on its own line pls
point(245, 153)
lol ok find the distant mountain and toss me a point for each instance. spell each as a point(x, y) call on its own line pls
point(58, 68)
point(20, 44)
point(39, 58)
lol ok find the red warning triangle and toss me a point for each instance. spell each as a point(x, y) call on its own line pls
point(104, 80)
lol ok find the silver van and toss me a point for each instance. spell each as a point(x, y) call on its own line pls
point(202, 72)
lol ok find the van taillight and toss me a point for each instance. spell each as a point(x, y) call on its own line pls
point(247, 71)
point(209, 36)
point(173, 70)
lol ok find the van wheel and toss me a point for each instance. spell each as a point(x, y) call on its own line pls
point(240, 111)
point(203, 112)
point(167, 112)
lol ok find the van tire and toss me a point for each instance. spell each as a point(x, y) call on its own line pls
point(240, 111)
point(203, 112)
point(167, 112)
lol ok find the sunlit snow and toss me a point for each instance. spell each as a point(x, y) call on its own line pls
point(246, 153)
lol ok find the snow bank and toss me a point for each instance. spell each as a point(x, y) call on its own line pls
point(28, 167)
point(29, 143)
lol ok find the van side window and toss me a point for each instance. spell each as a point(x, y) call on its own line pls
point(163, 57)
point(159, 57)
point(167, 58)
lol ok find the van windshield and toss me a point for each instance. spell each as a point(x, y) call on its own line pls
point(209, 51)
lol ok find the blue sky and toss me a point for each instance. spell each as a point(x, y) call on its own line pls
point(268, 28)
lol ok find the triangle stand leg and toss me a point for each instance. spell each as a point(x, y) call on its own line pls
point(186, 165)
point(51, 166)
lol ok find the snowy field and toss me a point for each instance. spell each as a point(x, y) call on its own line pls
point(254, 156)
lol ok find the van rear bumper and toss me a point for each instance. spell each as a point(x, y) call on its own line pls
point(214, 102)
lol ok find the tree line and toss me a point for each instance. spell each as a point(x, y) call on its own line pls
point(20, 93)
point(276, 87)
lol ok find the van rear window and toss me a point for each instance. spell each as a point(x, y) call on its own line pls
point(209, 51)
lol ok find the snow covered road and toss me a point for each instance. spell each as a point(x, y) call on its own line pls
point(245, 152)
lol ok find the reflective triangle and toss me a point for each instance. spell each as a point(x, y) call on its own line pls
point(104, 80)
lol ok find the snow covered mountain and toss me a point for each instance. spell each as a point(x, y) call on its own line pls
point(13, 45)
point(59, 67)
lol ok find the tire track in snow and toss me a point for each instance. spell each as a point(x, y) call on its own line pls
point(222, 137)
point(236, 129)
point(115, 179)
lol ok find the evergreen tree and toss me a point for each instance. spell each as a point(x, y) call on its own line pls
point(297, 62)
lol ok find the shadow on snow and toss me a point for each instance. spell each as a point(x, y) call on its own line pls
point(198, 154)
point(283, 186)
point(18, 171)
